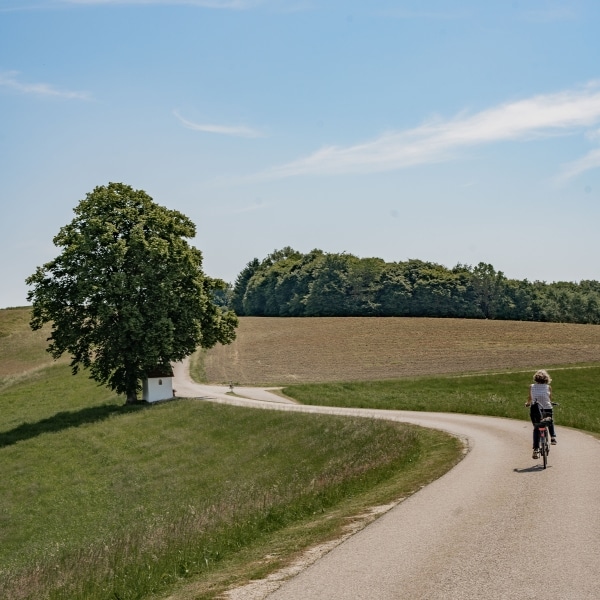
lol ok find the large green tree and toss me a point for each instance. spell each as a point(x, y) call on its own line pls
point(127, 295)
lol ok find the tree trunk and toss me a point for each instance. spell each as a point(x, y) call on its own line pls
point(132, 398)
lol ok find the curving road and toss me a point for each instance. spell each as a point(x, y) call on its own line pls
point(496, 526)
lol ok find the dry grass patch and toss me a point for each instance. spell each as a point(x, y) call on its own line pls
point(21, 349)
point(277, 351)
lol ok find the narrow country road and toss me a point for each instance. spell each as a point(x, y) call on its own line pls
point(496, 526)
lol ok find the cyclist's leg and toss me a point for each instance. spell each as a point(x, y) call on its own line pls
point(549, 413)
point(536, 444)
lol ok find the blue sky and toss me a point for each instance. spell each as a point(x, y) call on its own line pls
point(455, 132)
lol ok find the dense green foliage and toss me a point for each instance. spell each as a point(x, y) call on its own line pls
point(288, 283)
point(127, 295)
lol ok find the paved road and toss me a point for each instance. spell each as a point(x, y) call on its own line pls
point(496, 526)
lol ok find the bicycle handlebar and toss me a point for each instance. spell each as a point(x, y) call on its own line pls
point(553, 404)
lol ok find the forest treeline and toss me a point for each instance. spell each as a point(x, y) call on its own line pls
point(288, 283)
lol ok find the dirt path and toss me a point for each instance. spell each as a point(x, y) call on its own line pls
point(480, 530)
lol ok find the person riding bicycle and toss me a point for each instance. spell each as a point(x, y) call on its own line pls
point(540, 403)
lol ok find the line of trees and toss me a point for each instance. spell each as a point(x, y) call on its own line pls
point(288, 283)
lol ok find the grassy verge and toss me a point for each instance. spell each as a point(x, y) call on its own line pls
point(277, 549)
point(196, 366)
point(502, 395)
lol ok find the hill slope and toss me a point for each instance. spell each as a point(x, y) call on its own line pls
point(279, 351)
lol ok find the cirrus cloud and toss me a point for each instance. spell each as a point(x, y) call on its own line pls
point(233, 130)
point(9, 79)
point(438, 140)
point(586, 163)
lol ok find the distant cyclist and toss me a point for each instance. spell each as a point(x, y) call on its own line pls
point(540, 403)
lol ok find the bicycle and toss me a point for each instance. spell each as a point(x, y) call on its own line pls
point(544, 444)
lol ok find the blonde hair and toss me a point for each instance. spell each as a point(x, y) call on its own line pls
point(542, 376)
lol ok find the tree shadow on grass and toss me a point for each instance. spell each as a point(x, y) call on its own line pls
point(64, 420)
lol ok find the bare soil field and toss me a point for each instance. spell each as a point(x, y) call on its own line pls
point(278, 351)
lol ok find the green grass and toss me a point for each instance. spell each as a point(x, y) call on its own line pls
point(502, 395)
point(101, 500)
point(21, 350)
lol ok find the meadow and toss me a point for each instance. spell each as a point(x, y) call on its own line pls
point(186, 498)
point(103, 500)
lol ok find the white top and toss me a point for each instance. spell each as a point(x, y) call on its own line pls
point(541, 393)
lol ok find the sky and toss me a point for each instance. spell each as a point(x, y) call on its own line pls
point(454, 131)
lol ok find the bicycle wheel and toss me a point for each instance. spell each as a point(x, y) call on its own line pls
point(544, 450)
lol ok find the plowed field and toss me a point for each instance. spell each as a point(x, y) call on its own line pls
point(276, 351)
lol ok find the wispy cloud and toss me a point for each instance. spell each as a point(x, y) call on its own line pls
point(586, 163)
point(236, 131)
point(593, 135)
point(10, 80)
point(225, 210)
point(573, 169)
point(258, 205)
point(442, 140)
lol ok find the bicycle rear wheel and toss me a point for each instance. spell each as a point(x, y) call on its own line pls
point(544, 451)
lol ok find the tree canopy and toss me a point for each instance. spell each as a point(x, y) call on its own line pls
point(127, 295)
point(289, 283)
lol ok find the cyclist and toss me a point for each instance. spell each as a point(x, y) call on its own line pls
point(540, 403)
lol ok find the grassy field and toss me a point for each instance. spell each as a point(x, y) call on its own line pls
point(22, 351)
point(281, 351)
point(100, 500)
point(501, 395)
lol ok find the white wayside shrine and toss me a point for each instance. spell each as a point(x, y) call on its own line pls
point(158, 385)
